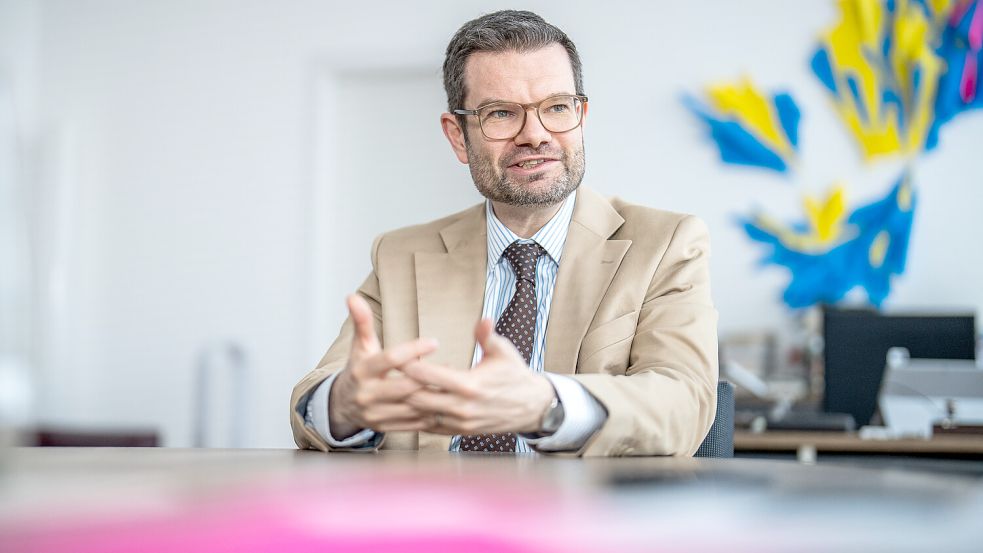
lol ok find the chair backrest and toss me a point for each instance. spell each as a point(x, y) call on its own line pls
point(720, 440)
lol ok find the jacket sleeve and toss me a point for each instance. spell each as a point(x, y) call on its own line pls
point(666, 401)
point(333, 361)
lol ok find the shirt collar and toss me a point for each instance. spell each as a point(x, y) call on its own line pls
point(551, 237)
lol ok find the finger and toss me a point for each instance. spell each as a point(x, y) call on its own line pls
point(453, 425)
point(438, 402)
point(365, 338)
point(419, 424)
point(483, 330)
point(400, 355)
point(387, 412)
point(435, 428)
point(444, 378)
point(494, 345)
point(394, 388)
point(435, 425)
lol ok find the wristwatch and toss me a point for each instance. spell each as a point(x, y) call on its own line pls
point(552, 419)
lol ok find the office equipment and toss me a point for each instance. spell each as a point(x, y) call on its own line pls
point(856, 345)
point(851, 443)
point(780, 415)
point(919, 393)
point(809, 421)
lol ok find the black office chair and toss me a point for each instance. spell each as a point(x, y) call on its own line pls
point(720, 440)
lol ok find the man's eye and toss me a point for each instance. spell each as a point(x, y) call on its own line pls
point(500, 114)
point(558, 108)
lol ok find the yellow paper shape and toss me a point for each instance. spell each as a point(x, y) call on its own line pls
point(855, 47)
point(826, 218)
point(748, 105)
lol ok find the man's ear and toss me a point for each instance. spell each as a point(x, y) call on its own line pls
point(455, 135)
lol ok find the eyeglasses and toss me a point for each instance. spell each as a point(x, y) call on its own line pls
point(504, 120)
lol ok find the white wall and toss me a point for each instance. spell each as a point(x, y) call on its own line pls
point(18, 56)
point(179, 138)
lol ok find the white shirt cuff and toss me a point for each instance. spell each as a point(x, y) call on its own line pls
point(317, 418)
point(582, 416)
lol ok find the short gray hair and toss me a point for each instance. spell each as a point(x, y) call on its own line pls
point(502, 31)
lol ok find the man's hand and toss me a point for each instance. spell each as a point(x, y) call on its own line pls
point(499, 394)
point(369, 393)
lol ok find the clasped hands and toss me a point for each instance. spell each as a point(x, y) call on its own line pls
point(397, 389)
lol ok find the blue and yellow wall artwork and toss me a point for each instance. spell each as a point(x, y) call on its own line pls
point(896, 72)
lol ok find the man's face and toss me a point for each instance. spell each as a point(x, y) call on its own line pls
point(495, 165)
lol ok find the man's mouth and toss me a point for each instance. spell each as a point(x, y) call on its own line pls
point(532, 163)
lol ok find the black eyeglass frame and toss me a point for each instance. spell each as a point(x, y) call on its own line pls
point(525, 111)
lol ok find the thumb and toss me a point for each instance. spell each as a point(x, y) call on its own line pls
point(361, 314)
point(482, 331)
point(493, 344)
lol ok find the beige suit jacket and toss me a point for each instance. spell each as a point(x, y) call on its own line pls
point(631, 319)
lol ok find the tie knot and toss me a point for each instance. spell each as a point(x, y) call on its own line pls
point(523, 258)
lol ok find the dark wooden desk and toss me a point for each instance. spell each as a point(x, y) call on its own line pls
point(168, 500)
point(804, 443)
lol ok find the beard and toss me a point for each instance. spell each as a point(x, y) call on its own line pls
point(494, 183)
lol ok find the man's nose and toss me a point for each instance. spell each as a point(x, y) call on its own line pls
point(532, 133)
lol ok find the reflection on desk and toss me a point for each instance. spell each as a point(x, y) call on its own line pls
point(168, 500)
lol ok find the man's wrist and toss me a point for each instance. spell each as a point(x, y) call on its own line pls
point(339, 423)
point(583, 416)
point(550, 416)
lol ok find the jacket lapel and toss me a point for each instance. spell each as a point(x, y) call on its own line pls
point(450, 291)
point(587, 267)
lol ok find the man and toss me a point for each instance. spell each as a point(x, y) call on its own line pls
point(547, 318)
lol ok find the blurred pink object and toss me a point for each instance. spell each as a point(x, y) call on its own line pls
point(366, 514)
point(969, 81)
point(969, 84)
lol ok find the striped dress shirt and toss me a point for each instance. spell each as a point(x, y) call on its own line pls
point(583, 415)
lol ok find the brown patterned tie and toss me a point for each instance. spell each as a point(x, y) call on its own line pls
point(518, 324)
